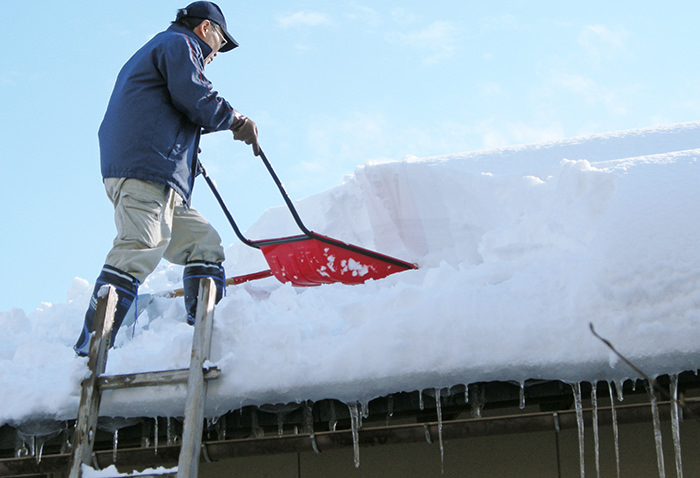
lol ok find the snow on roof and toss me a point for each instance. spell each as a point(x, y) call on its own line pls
point(519, 250)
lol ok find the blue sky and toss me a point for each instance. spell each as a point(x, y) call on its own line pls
point(331, 85)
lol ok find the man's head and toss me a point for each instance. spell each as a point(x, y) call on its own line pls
point(208, 23)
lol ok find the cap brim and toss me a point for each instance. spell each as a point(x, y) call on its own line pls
point(231, 43)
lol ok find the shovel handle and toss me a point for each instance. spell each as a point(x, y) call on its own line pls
point(285, 196)
point(283, 192)
point(229, 281)
point(227, 213)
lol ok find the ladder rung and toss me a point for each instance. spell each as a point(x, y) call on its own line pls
point(147, 379)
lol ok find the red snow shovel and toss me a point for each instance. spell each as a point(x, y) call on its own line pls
point(311, 259)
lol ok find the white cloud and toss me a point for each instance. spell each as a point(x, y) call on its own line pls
point(497, 134)
point(366, 15)
point(490, 88)
point(403, 17)
point(339, 144)
point(435, 41)
point(345, 133)
point(601, 42)
point(304, 19)
point(507, 22)
point(590, 91)
point(301, 48)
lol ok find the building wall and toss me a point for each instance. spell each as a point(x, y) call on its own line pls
point(515, 455)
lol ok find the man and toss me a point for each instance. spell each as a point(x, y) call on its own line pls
point(149, 140)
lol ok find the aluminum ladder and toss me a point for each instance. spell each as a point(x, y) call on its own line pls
point(196, 378)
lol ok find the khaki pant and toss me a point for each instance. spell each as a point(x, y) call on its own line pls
point(153, 224)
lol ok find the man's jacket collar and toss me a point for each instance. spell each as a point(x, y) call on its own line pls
point(206, 49)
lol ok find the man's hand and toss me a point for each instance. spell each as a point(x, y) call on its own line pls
point(246, 130)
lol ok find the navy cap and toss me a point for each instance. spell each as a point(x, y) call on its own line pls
point(209, 11)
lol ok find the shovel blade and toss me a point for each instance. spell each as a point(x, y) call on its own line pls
point(307, 261)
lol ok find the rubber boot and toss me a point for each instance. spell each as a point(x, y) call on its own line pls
point(126, 287)
point(194, 271)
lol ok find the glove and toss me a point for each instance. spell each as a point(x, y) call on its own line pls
point(245, 129)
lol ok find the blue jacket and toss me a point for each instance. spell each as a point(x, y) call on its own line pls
point(160, 103)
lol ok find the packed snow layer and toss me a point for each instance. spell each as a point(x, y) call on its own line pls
point(519, 249)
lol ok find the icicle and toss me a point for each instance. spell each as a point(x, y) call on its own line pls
point(428, 438)
point(28, 447)
point(557, 431)
point(308, 417)
point(115, 443)
point(309, 425)
point(314, 445)
point(478, 401)
point(37, 447)
point(210, 425)
point(280, 424)
point(438, 406)
point(333, 422)
point(616, 430)
point(466, 394)
point(39, 443)
point(522, 395)
point(222, 427)
point(257, 431)
point(113, 425)
point(657, 431)
point(146, 436)
point(620, 394)
point(578, 402)
point(596, 434)
point(35, 434)
point(22, 451)
point(170, 431)
point(675, 426)
point(421, 405)
point(66, 445)
point(214, 427)
point(355, 426)
point(155, 434)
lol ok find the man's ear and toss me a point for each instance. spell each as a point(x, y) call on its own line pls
point(202, 29)
point(205, 26)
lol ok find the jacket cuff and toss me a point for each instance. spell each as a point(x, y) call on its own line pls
point(238, 121)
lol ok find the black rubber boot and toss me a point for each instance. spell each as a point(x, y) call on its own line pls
point(127, 288)
point(194, 271)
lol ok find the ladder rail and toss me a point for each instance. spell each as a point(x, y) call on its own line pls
point(188, 463)
point(90, 396)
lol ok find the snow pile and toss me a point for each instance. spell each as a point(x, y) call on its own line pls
point(519, 250)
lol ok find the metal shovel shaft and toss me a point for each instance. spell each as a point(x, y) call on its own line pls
point(313, 259)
